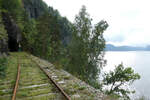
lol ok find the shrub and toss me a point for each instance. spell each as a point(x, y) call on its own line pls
point(3, 65)
point(121, 76)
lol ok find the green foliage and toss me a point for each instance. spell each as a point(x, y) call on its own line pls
point(86, 49)
point(49, 28)
point(12, 6)
point(119, 77)
point(3, 33)
point(3, 65)
point(65, 30)
point(15, 10)
point(0, 4)
point(9, 4)
point(29, 35)
point(48, 37)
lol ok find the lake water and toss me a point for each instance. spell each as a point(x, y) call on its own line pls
point(139, 61)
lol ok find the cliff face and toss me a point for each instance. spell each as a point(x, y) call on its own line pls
point(13, 31)
point(34, 8)
point(10, 34)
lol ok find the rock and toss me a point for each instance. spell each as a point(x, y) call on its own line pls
point(54, 76)
point(76, 96)
point(61, 82)
point(34, 8)
point(13, 32)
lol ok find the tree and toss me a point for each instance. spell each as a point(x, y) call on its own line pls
point(48, 41)
point(65, 30)
point(44, 35)
point(29, 34)
point(121, 76)
point(78, 51)
point(0, 4)
point(14, 7)
point(86, 47)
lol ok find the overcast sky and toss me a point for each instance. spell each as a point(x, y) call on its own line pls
point(129, 20)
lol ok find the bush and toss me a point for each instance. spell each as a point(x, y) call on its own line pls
point(3, 66)
point(121, 76)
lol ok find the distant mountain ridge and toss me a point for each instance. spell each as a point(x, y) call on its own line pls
point(110, 47)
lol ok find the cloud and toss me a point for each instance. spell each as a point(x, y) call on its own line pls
point(129, 20)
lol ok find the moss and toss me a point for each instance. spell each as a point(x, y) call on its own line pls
point(66, 77)
point(32, 75)
point(72, 85)
point(22, 94)
point(39, 92)
point(5, 98)
point(1, 93)
point(49, 97)
point(111, 97)
point(81, 88)
point(9, 81)
point(70, 90)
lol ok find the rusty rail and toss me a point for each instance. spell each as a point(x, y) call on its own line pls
point(17, 82)
point(46, 73)
point(58, 87)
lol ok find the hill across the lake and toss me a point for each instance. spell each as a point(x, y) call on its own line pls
point(110, 47)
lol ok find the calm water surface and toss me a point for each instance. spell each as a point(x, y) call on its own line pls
point(139, 61)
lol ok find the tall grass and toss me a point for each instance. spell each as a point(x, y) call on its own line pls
point(3, 66)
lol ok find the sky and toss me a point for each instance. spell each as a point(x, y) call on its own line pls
point(129, 20)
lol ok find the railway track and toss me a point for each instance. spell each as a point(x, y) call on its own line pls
point(34, 83)
point(17, 82)
point(37, 81)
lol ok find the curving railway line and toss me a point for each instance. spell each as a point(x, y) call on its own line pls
point(31, 78)
point(28, 86)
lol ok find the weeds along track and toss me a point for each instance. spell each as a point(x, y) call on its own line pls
point(37, 79)
point(7, 83)
point(30, 82)
point(56, 85)
point(34, 84)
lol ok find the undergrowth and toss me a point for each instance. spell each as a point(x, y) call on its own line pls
point(3, 66)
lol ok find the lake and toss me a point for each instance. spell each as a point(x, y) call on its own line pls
point(139, 61)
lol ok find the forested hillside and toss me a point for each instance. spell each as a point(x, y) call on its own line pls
point(34, 27)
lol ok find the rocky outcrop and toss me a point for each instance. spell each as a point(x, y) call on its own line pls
point(13, 32)
point(35, 8)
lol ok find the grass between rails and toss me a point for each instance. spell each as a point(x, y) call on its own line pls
point(7, 83)
point(74, 87)
point(33, 83)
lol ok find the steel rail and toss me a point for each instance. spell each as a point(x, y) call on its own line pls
point(58, 87)
point(17, 82)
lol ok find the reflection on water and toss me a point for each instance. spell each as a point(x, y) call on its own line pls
point(139, 61)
